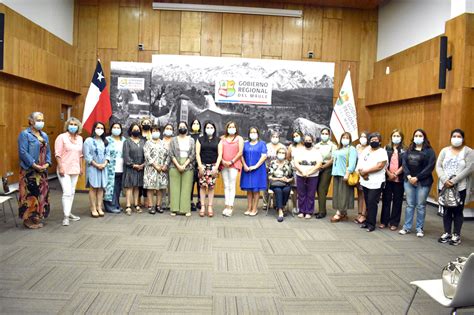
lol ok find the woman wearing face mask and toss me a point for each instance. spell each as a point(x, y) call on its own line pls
point(134, 162)
point(272, 148)
point(371, 167)
point(361, 206)
point(68, 152)
point(308, 162)
point(231, 146)
point(326, 147)
point(418, 164)
point(455, 167)
point(208, 158)
point(145, 125)
point(344, 163)
point(296, 144)
point(254, 176)
point(114, 169)
point(35, 158)
point(280, 175)
point(392, 195)
point(168, 133)
point(195, 134)
point(182, 155)
point(155, 178)
point(96, 155)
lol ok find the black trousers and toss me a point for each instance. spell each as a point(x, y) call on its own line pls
point(196, 183)
point(454, 214)
point(372, 197)
point(392, 200)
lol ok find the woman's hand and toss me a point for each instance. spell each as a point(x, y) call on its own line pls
point(413, 181)
point(60, 171)
point(246, 168)
point(226, 163)
point(201, 170)
point(449, 183)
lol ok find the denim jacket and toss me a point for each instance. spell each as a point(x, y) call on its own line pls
point(29, 148)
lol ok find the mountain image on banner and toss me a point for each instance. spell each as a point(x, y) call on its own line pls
point(282, 79)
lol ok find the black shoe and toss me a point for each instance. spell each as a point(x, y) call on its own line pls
point(320, 215)
point(198, 205)
point(158, 209)
point(193, 207)
point(151, 210)
point(364, 226)
point(280, 219)
point(370, 229)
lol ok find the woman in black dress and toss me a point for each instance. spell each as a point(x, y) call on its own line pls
point(134, 163)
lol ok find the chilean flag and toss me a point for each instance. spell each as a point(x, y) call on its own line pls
point(97, 106)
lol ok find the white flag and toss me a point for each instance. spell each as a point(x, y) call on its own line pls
point(344, 116)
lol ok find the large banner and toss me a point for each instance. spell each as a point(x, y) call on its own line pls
point(269, 94)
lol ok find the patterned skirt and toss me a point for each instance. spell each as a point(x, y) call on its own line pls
point(34, 194)
point(207, 179)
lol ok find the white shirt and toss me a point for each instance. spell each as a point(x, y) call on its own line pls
point(307, 159)
point(118, 145)
point(369, 159)
point(183, 147)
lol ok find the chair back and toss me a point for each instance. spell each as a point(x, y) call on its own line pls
point(464, 295)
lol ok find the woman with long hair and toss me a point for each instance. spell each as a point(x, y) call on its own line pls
point(361, 206)
point(293, 147)
point(96, 157)
point(195, 133)
point(418, 164)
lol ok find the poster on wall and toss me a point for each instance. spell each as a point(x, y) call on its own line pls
point(270, 94)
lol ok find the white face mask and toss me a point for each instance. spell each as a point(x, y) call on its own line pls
point(363, 140)
point(281, 156)
point(210, 131)
point(456, 142)
point(155, 135)
point(231, 131)
point(168, 133)
point(275, 140)
point(324, 138)
point(418, 140)
point(345, 142)
point(253, 136)
point(99, 132)
point(396, 139)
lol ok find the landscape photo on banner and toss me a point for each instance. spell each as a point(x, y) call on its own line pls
point(273, 95)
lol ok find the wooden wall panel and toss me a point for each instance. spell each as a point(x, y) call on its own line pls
point(368, 45)
point(331, 42)
point(231, 33)
point(128, 34)
point(312, 31)
point(211, 34)
point(87, 42)
point(170, 31)
point(190, 32)
point(252, 36)
point(149, 26)
point(272, 37)
point(351, 35)
point(292, 48)
point(108, 24)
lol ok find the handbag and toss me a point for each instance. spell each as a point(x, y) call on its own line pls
point(449, 197)
point(353, 178)
point(450, 276)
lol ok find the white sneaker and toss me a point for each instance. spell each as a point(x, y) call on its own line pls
point(420, 233)
point(403, 232)
point(65, 221)
point(227, 212)
point(73, 217)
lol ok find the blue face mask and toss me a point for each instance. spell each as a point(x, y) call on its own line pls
point(39, 125)
point(418, 140)
point(116, 131)
point(72, 128)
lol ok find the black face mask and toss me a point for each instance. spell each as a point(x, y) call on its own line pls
point(183, 130)
point(136, 133)
point(375, 144)
point(308, 144)
point(146, 127)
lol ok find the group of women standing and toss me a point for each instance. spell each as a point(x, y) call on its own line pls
point(152, 160)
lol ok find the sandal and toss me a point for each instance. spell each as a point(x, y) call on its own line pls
point(393, 228)
point(382, 226)
point(128, 211)
point(210, 211)
point(338, 218)
point(138, 209)
point(360, 219)
point(202, 212)
point(94, 213)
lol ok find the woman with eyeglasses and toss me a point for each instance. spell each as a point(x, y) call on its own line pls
point(418, 164)
point(280, 175)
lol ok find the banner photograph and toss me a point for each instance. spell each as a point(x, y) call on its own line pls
point(276, 95)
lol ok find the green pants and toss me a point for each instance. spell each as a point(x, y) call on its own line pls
point(323, 188)
point(180, 190)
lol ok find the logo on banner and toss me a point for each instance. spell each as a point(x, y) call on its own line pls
point(243, 91)
point(137, 84)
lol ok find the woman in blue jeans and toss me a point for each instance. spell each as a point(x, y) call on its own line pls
point(280, 176)
point(418, 164)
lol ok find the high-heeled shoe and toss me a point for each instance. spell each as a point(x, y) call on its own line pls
point(101, 213)
point(210, 211)
point(202, 211)
point(94, 213)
